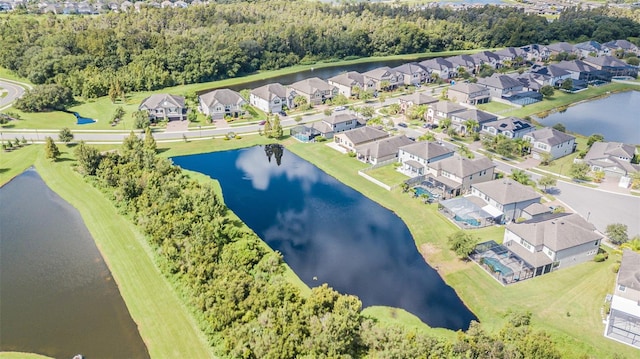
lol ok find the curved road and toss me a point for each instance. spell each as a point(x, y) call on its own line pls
point(14, 90)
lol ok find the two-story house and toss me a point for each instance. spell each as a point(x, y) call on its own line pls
point(550, 142)
point(591, 48)
point(624, 314)
point(612, 66)
point(623, 46)
point(326, 128)
point(553, 241)
point(455, 175)
point(562, 47)
point(510, 127)
point(314, 90)
point(381, 150)
point(164, 106)
point(536, 52)
point(464, 62)
point(612, 157)
point(441, 110)
point(507, 197)
point(487, 58)
point(415, 99)
point(469, 93)
point(459, 120)
point(269, 98)
point(501, 86)
point(411, 73)
point(439, 68)
point(349, 83)
point(358, 136)
point(220, 103)
point(551, 75)
point(582, 71)
point(511, 55)
point(383, 79)
point(416, 156)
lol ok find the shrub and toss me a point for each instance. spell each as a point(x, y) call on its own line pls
point(600, 257)
point(351, 154)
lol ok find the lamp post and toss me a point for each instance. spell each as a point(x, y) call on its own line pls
point(200, 129)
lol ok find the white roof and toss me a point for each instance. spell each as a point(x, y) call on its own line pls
point(625, 305)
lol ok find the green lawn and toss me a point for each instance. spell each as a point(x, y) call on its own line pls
point(20, 355)
point(388, 175)
point(164, 323)
point(496, 107)
point(15, 162)
point(579, 290)
point(562, 165)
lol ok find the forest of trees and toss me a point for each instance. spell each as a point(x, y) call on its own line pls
point(235, 285)
point(156, 48)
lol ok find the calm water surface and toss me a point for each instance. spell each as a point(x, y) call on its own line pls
point(328, 232)
point(617, 117)
point(57, 296)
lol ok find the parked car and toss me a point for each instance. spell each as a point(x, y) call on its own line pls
point(262, 122)
point(282, 113)
point(402, 124)
point(340, 108)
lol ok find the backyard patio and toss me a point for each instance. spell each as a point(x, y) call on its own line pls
point(501, 263)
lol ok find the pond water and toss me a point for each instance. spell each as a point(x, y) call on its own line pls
point(616, 117)
point(57, 296)
point(328, 232)
point(83, 120)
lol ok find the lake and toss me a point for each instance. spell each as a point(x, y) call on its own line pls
point(57, 296)
point(616, 117)
point(328, 232)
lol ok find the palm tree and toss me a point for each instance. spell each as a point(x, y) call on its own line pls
point(445, 123)
point(520, 176)
point(471, 126)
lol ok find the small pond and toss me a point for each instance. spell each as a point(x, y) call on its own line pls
point(83, 120)
point(57, 296)
point(328, 232)
point(616, 117)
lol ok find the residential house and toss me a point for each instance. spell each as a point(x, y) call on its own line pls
point(622, 323)
point(349, 83)
point(612, 157)
point(551, 75)
point(501, 86)
point(550, 142)
point(535, 211)
point(164, 106)
point(5, 6)
point(623, 46)
point(442, 110)
point(314, 90)
point(416, 156)
point(553, 241)
point(411, 73)
point(269, 98)
point(326, 128)
point(511, 56)
point(531, 82)
point(470, 93)
point(415, 99)
point(591, 48)
point(455, 175)
point(383, 78)
point(507, 198)
point(510, 127)
point(465, 62)
point(359, 136)
point(582, 71)
point(459, 119)
point(439, 68)
point(612, 66)
point(487, 58)
point(536, 52)
point(382, 150)
point(562, 47)
point(220, 103)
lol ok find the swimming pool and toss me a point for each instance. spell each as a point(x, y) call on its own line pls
point(497, 266)
point(421, 190)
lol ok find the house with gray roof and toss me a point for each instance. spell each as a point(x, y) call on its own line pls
point(487, 58)
point(507, 198)
point(415, 157)
point(501, 86)
point(454, 175)
point(622, 323)
point(612, 157)
point(551, 142)
point(314, 90)
point(327, 127)
point(353, 138)
point(220, 103)
point(580, 70)
point(439, 67)
point(510, 127)
point(624, 46)
point(411, 73)
point(164, 106)
point(466, 62)
point(591, 48)
point(536, 52)
point(441, 110)
point(470, 93)
point(552, 75)
point(382, 150)
point(513, 55)
point(530, 81)
point(459, 119)
point(535, 211)
point(553, 241)
point(415, 99)
point(612, 65)
point(562, 47)
point(269, 98)
point(349, 83)
point(383, 78)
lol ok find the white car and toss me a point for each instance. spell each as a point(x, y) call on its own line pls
point(340, 108)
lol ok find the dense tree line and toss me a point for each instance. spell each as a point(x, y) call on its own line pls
point(156, 48)
point(45, 98)
point(235, 285)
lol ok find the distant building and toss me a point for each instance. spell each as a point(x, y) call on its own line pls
point(164, 106)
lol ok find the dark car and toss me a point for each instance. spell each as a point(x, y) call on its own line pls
point(262, 122)
point(282, 113)
point(402, 124)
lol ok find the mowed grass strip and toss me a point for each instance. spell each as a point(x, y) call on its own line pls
point(17, 161)
point(164, 323)
point(565, 303)
point(21, 355)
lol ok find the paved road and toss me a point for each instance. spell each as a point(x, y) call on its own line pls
point(14, 91)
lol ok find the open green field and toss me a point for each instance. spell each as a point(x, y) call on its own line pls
point(388, 175)
point(565, 303)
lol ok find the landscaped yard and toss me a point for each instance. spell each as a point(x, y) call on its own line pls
point(388, 175)
point(496, 107)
